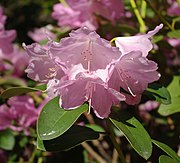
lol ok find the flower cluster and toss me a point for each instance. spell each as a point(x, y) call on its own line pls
point(19, 115)
point(85, 68)
point(11, 57)
point(76, 14)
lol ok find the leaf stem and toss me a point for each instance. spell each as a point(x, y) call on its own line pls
point(138, 16)
point(159, 15)
point(113, 139)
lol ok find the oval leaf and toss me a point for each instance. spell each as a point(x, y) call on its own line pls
point(174, 107)
point(166, 159)
point(53, 121)
point(7, 140)
point(158, 93)
point(16, 91)
point(133, 131)
point(167, 149)
point(73, 137)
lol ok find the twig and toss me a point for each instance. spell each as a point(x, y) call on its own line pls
point(115, 143)
point(93, 153)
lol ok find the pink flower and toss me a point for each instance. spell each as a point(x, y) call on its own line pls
point(16, 61)
point(41, 67)
point(39, 34)
point(82, 13)
point(6, 117)
point(76, 14)
point(132, 73)
point(6, 38)
point(89, 87)
point(149, 106)
point(137, 43)
point(2, 18)
point(85, 47)
point(92, 71)
point(174, 9)
point(109, 9)
point(20, 115)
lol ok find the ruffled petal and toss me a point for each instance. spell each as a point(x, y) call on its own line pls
point(137, 43)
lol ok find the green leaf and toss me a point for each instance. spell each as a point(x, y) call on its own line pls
point(174, 34)
point(10, 80)
point(167, 149)
point(133, 131)
point(15, 91)
point(157, 38)
point(158, 93)
point(174, 107)
point(53, 121)
point(7, 140)
point(166, 159)
point(95, 127)
point(71, 138)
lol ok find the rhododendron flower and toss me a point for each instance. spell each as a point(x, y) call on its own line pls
point(16, 61)
point(91, 71)
point(6, 117)
point(2, 18)
point(137, 43)
point(41, 67)
point(39, 34)
point(149, 106)
point(87, 86)
point(20, 114)
point(75, 15)
point(85, 47)
point(174, 9)
point(132, 73)
point(6, 38)
point(82, 13)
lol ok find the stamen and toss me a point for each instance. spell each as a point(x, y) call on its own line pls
point(129, 89)
point(124, 77)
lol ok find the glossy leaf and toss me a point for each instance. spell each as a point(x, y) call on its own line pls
point(174, 107)
point(7, 140)
point(53, 121)
point(71, 138)
point(166, 159)
point(167, 149)
point(158, 93)
point(133, 131)
point(95, 127)
point(15, 91)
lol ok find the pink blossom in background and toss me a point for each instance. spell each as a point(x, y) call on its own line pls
point(16, 61)
point(39, 34)
point(6, 117)
point(85, 67)
point(137, 43)
point(75, 15)
point(2, 18)
point(6, 39)
point(174, 9)
point(149, 106)
point(19, 115)
point(82, 13)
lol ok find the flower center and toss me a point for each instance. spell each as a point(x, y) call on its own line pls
point(87, 55)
